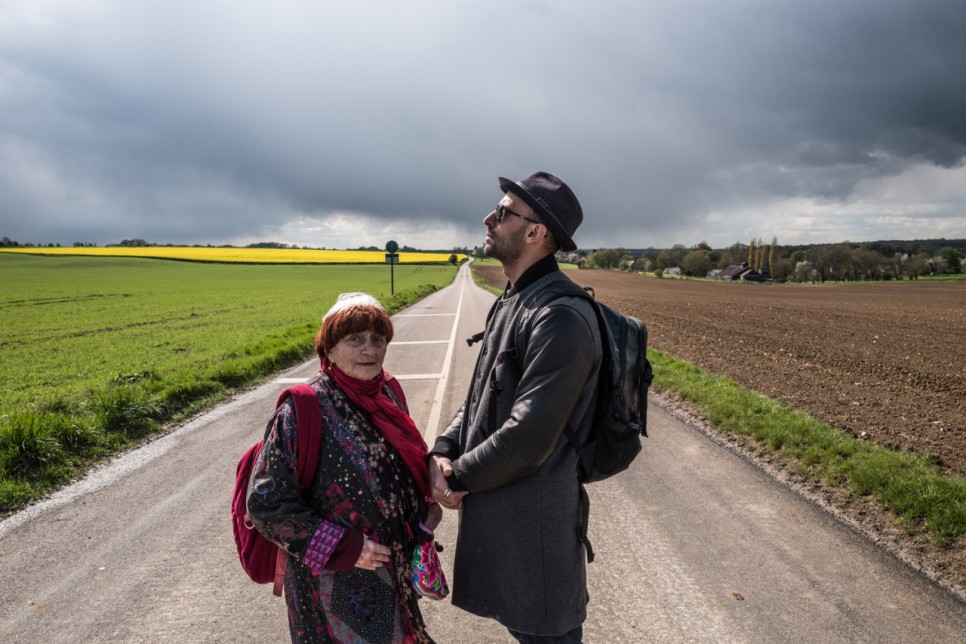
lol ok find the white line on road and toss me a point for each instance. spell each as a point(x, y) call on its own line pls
point(419, 376)
point(408, 376)
point(432, 425)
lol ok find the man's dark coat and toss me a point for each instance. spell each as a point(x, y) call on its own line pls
point(519, 558)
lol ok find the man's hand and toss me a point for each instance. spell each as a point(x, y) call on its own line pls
point(373, 555)
point(439, 469)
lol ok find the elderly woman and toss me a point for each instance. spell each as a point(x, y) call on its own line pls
point(350, 537)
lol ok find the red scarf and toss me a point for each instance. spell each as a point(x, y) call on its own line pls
point(393, 423)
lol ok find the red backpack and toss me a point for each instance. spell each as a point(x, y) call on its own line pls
point(263, 560)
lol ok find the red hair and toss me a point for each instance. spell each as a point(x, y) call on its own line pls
point(356, 318)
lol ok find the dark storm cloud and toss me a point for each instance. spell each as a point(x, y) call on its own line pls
point(216, 122)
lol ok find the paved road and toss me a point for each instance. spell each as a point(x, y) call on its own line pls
point(694, 544)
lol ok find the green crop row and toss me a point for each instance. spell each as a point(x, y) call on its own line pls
point(96, 354)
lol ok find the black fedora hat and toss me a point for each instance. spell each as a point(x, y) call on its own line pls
point(553, 201)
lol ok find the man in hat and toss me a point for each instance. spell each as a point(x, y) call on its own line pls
point(505, 459)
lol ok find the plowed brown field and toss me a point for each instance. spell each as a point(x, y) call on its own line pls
point(885, 362)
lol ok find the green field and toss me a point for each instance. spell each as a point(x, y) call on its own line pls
point(96, 353)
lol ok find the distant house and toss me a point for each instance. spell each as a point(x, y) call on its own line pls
point(739, 273)
point(673, 271)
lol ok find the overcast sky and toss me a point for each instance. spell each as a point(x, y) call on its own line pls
point(342, 124)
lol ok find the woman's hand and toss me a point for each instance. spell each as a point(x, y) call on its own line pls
point(433, 517)
point(373, 555)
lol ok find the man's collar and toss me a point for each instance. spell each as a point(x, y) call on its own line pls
point(543, 266)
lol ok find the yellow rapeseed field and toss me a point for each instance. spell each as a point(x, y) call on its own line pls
point(240, 255)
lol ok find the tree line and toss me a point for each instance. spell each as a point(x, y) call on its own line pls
point(845, 261)
point(6, 242)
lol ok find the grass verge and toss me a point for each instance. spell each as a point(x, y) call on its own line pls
point(909, 485)
point(482, 283)
point(43, 448)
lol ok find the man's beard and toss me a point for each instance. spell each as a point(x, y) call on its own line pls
point(504, 249)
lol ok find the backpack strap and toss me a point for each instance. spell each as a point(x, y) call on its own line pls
point(582, 527)
point(643, 366)
point(555, 292)
point(308, 420)
point(522, 320)
point(495, 388)
point(476, 337)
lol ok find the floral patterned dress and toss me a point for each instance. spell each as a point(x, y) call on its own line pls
point(360, 484)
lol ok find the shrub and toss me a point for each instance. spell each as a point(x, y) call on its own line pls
point(185, 393)
point(231, 376)
point(76, 436)
point(14, 494)
point(126, 410)
point(29, 447)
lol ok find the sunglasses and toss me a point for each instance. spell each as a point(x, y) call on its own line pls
point(502, 212)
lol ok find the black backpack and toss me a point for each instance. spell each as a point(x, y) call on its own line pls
point(620, 418)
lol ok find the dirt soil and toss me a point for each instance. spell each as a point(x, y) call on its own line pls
point(885, 362)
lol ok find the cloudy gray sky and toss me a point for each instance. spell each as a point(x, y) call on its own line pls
point(341, 124)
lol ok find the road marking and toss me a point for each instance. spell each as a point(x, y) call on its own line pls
point(419, 376)
point(433, 424)
point(408, 376)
